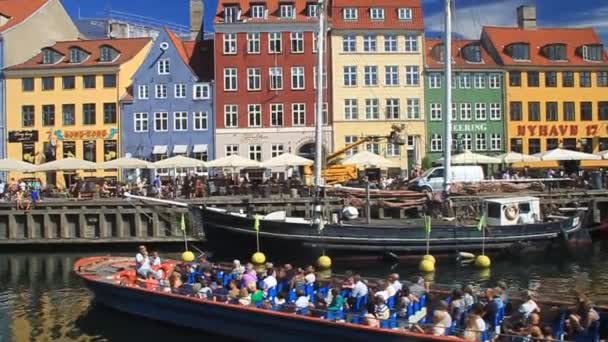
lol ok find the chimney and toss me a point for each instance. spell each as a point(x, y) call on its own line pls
point(526, 17)
point(197, 11)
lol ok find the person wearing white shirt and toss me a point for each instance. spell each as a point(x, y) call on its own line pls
point(394, 281)
point(270, 281)
point(360, 289)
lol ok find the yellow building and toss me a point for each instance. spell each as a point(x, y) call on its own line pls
point(64, 101)
point(377, 58)
point(556, 86)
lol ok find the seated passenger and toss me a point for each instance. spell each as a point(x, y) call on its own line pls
point(349, 280)
point(393, 280)
point(457, 306)
point(417, 287)
point(234, 291)
point(257, 295)
point(205, 291)
point(155, 259)
point(441, 319)
point(529, 306)
point(142, 263)
point(382, 291)
point(337, 302)
point(403, 299)
point(175, 281)
point(475, 324)
point(468, 296)
point(359, 290)
point(370, 319)
point(380, 308)
point(220, 293)
point(269, 280)
point(279, 300)
point(238, 270)
point(302, 303)
point(250, 276)
point(299, 280)
point(310, 276)
point(583, 317)
point(244, 297)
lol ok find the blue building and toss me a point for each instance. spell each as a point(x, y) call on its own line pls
point(169, 109)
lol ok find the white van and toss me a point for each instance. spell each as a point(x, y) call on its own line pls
point(432, 179)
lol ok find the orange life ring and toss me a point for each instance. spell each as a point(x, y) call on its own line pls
point(129, 277)
point(511, 212)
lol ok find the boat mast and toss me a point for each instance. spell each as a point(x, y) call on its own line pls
point(447, 60)
point(319, 118)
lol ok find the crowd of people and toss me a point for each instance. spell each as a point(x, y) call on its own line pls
point(388, 303)
point(24, 195)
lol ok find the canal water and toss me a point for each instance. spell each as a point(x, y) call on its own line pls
point(42, 300)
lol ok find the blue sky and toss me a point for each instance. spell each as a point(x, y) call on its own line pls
point(470, 14)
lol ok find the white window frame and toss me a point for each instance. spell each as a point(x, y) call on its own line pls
point(481, 142)
point(392, 150)
point(479, 81)
point(180, 121)
point(255, 75)
point(314, 75)
point(231, 112)
point(275, 42)
point(370, 75)
point(255, 151)
point(413, 109)
point(179, 90)
point(161, 121)
point(372, 109)
point(231, 78)
point(405, 13)
point(351, 109)
point(160, 91)
point(467, 141)
point(435, 112)
point(434, 80)
point(143, 92)
point(495, 111)
point(466, 111)
point(464, 81)
point(140, 122)
point(275, 78)
point(376, 13)
point(392, 109)
point(201, 91)
point(258, 12)
point(349, 140)
point(231, 14)
point(411, 43)
point(436, 142)
point(412, 75)
point(481, 111)
point(495, 142)
point(312, 10)
point(254, 115)
point(231, 149)
point(230, 43)
point(373, 148)
point(276, 150)
point(253, 43)
point(494, 81)
point(370, 43)
point(298, 79)
point(349, 43)
point(164, 66)
point(391, 75)
point(298, 39)
point(350, 13)
point(391, 43)
point(350, 75)
point(277, 113)
point(298, 114)
point(454, 111)
point(287, 11)
point(200, 121)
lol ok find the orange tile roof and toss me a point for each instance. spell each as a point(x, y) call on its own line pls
point(127, 48)
point(18, 10)
point(574, 38)
point(459, 61)
point(272, 6)
point(198, 55)
point(391, 16)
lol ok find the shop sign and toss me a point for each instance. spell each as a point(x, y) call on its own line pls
point(22, 136)
point(561, 130)
point(479, 127)
point(110, 149)
point(254, 138)
point(86, 134)
point(28, 152)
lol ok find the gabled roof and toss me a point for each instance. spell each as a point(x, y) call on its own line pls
point(197, 55)
point(272, 6)
point(391, 16)
point(18, 11)
point(127, 49)
point(459, 62)
point(537, 38)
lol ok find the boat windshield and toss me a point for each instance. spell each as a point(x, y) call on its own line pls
point(433, 173)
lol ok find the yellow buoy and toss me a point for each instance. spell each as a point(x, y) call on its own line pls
point(258, 258)
point(427, 266)
point(188, 256)
point(324, 262)
point(482, 261)
point(429, 257)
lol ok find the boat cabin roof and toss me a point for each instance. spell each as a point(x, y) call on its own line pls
point(510, 200)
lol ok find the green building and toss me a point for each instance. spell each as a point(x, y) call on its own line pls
point(478, 120)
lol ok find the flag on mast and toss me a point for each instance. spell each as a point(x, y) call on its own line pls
point(256, 223)
point(427, 224)
point(183, 223)
point(482, 222)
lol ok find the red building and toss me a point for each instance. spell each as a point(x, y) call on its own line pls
point(265, 74)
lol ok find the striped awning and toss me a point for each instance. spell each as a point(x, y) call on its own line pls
point(199, 148)
point(180, 149)
point(160, 149)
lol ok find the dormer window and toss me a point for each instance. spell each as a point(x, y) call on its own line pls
point(405, 14)
point(77, 55)
point(377, 13)
point(350, 13)
point(472, 53)
point(438, 53)
point(50, 56)
point(231, 14)
point(555, 52)
point(287, 11)
point(593, 52)
point(258, 12)
point(312, 10)
point(519, 51)
point(107, 54)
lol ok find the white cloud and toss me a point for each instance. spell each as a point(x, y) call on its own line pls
point(468, 21)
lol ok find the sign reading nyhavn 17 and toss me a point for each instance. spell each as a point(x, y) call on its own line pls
point(561, 130)
point(22, 136)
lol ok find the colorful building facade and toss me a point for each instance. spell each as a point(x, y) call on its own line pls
point(265, 74)
point(26, 27)
point(477, 116)
point(556, 85)
point(63, 102)
point(170, 109)
point(377, 59)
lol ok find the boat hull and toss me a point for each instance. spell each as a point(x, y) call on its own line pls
point(221, 228)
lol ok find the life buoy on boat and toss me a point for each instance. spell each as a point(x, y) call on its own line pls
point(127, 277)
point(166, 268)
point(511, 212)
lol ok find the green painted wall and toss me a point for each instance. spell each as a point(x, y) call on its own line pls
point(462, 129)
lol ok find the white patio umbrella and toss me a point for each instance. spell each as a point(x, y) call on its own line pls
point(287, 160)
point(233, 161)
point(16, 165)
point(468, 157)
point(124, 163)
point(178, 162)
point(368, 159)
point(602, 154)
point(67, 164)
point(560, 154)
point(514, 157)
